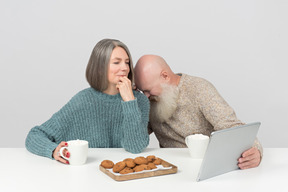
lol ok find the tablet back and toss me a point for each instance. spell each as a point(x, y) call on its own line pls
point(224, 149)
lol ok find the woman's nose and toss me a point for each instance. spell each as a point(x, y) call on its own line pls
point(124, 66)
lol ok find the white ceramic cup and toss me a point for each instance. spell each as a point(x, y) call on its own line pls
point(78, 150)
point(197, 145)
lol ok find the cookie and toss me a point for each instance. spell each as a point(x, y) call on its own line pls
point(157, 161)
point(145, 167)
point(140, 160)
point(126, 170)
point(119, 166)
point(138, 168)
point(150, 158)
point(151, 166)
point(129, 162)
point(107, 164)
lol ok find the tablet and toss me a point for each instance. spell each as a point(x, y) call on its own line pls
point(224, 149)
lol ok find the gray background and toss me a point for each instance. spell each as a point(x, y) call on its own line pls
point(239, 46)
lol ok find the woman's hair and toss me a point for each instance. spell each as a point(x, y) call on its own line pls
point(98, 65)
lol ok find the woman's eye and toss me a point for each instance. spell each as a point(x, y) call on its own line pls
point(116, 63)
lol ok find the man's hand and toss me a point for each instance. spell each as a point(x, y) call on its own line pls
point(249, 159)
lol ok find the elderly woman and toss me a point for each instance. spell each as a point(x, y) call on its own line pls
point(109, 114)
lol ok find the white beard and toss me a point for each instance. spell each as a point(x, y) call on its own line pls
point(163, 106)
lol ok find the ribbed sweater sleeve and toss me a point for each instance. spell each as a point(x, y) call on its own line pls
point(41, 139)
point(135, 122)
point(105, 121)
point(215, 109)
point(218, 112)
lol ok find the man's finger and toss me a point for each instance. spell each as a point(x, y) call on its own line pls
point(248, 164)
point(249, 152)
point(247, 158)
point(249, 161)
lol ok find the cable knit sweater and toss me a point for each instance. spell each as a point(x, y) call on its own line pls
point(105, 121)
point(200, 109)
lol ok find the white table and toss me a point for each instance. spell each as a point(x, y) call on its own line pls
point(21, 170)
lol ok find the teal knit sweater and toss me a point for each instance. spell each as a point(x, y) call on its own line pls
point(105, 121)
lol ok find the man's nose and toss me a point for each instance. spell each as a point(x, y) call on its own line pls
point(147, 94)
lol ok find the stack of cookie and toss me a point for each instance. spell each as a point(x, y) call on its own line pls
point(130, 165)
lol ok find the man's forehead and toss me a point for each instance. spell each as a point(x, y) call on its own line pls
point(148, 84)
point(143, 84)
point(146, 78)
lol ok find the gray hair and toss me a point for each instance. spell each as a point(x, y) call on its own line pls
point(98, 65)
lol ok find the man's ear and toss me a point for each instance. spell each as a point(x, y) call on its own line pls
point(164, 76)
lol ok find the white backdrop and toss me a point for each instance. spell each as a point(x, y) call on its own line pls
point(239, 46)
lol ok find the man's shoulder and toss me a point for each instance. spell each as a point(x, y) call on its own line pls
point(196, 82)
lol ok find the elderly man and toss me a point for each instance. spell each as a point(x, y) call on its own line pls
point(182, 105)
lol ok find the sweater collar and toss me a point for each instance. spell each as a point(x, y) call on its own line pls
point(182, 75)
point(105, 96)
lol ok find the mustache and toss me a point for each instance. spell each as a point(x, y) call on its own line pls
point(153, 98)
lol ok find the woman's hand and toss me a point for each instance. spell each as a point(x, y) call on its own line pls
point(66, 153)
point(125, 88)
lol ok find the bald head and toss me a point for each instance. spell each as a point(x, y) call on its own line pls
point(151, 71)
point(151, 63)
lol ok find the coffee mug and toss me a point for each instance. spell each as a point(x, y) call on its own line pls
point(78, 150)
point(197, 145)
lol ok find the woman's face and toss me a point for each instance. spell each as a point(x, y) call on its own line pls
point(118, 65)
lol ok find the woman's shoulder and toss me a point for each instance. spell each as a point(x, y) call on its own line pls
point(82, 97)
point(81, 101)
point(143, 101)
point(140, 97)
point(85, 93)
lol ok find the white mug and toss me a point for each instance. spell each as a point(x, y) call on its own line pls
point(78, 150)
point(197, 145)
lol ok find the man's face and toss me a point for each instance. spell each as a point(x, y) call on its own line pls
point(163, 106)
point(149, 85)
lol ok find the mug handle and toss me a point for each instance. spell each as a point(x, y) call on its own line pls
point(61, 152)
point(186, 140)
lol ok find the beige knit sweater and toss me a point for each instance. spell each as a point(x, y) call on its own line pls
point(200, 109)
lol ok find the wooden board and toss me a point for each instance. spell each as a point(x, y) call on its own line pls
point(143, 174)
